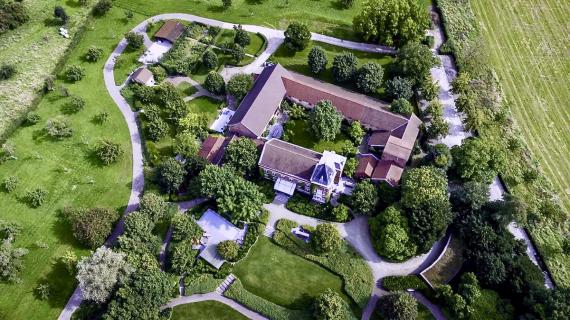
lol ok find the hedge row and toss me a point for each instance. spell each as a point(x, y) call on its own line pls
point(203, 283)
point(355, 273)
point(399, 283)
point(267, 308)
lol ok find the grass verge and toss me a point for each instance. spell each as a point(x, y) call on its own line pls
point(206, 310)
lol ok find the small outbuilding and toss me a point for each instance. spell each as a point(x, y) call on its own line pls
point(143, 76)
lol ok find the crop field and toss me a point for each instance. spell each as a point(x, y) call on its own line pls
point(34, 49)
point(529, 50)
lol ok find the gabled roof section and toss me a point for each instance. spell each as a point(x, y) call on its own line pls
point(262, 101)
point(289, 159)
point(170, 30)
point(141, 75)
point(401, 143)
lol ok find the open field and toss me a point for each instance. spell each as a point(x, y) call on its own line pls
point(206, 310)
point(34, 48)
point(284, 278)
point(66, 169)
point(528, 47)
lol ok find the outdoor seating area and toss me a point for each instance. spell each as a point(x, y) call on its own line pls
point(221, 122)
point(155, 52)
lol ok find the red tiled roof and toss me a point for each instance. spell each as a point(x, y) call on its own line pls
point(212, 149)
point(170, 30)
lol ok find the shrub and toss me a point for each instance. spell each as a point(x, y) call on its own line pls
point(228, 250)
point(215, 83)
point(326, 238)
point(241, 36)
point(330, 306)
point(92, 226)
point(14, 14)
point(102, 7)
point(399, 87)
point(76, 104)
point(364, 197)
point(239, 85)
point(10, 183)
point(317, 60)
point(401, 283)
point(347, 4)
point(59, 13)
point(108, 151)
point(7, 71)
point(135, 41)
point(227, 3)
point(158, 72)
point(304, 206)
point(369, 77)
point(350, 167)
point(402, 106)
point(36, 197)
point(32, 118)
point(297, 36)
point(185, 228)
point(344, 67)
point(74, 73)
point(398, 306)
point(210, 59)
point(340, 213)
point(356, 132)
point(237, 52)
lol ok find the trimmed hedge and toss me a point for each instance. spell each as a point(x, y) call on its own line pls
point(203, 283)
point(267, 308)
point(399, 283)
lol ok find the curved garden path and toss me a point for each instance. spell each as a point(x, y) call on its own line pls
point(356, 232)
point(213, 296)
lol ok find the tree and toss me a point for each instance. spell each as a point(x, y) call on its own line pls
point(138, 226)
point(135, 41)
point(171, 175)
point(369, 77)
point(141, 297)
point(14, 14)
point(237, 52)
point(438, 128)
point(102, 7)
point(398, 306)
point(10, 183)
point(241, 155)
point(439, 156)
point(478, 159)
point(36, 197)
point(340, 213)
point(325, 120)
point(429, 88)
point(193, 123)
point(364, 198)
point(356, 132)
point(344, 67)
point(154, 207)
point(470, 196)
point(227, 3)
point(557, 305)
point(210, 59)
point(74, 73)
point(59, 13)
point(425, 199)
point(215, 83)
point(186, 144)
point(241, 36)
point(228, 250)
point(100, 274)
point(43, 291)
point(185, 228)
point(108, 152)
point(297, 36)
point(414, 61)
point(391, 22)
point(91, 226)
point(239, 85)
point(7, 71)
point(402, 106)
point(94, 54)
point(350, 167)
point(326, 238)
point(10, 260)
point(400, 88)
point(155, 127)
point(390, 234)
point(317, 60)
point(182, 257)
point(330, 306)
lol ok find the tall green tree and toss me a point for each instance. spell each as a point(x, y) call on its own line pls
point(364, 197)
point(241, 155)
point(239, 85)
point(297, 36)
point(414, 61)
point(398, 306)
point(344, 67)
point(391, 22)
point(369, 77)
point(478, 159)
point(171, 175)
point(325, 120)
point(317, 60)
point(330, 306)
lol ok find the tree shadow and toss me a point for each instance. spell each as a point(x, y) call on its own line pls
point(53, 22)
point(216, 8)
point(63, 230)
point(60, 288)
point(337, 5)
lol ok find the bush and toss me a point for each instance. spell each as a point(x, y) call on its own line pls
point(228, 250)
point(32, 118)
point(330, 306)
point(369, 77)
point(401, 283)
point(398, 306)
point(364, 198)
point(36, 197)
point(14, 14)
point(215, 83)
point(344, 67)
point(135, 41)
point(239, 85)
point(301, 205)
point(402, 106)
point(59, 13)
point(340, 213)
point(400, 88)
point(326, 238)
point(241, 36)
point(317, 60)
point(185, 227)
point(76, 104)
point(10, 183)
point(108, 151)
point(102, 7)
point(74, 73)
point(7, 71)
point(237, 52)
point(210, 60)
point(92, 226)
point(158, 72)
point(43, 291)
point(297, 36)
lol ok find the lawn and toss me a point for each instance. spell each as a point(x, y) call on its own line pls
point(284, 278)
point(205, 106)
point(528, 48)
point(255, 47)
point(66, 169)
point(205, 310)
point(127, 63)
point(297, 61)
point(34, 48)
point(298, 132)
point(186, 89)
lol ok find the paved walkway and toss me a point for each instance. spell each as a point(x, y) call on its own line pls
point(212, 296)
point(176, 80)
